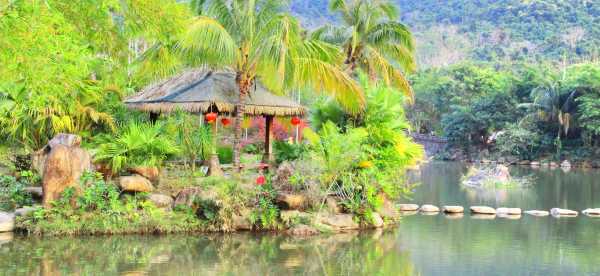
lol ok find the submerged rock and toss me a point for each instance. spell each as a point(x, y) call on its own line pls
point(408, 213)
point(508, 211)
point(427, 208)
point(408, 207)
point(135, 183)
point(537, 213)
point(509, 216)
point(453, 209)
point(591, 212)
point(483, 210)
point(558, 212)
point(454, 215)
point(483, 216)
point(7, 222)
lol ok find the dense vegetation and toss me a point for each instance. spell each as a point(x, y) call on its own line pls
point(526, 111)
point(491, 30)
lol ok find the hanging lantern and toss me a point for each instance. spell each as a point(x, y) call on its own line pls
point(295, 121)
point(225, 121)
point(211, 117)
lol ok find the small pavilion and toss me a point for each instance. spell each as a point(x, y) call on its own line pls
point(204, 91)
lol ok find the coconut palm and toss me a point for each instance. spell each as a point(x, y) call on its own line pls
point(257, 40)
point(373, 40)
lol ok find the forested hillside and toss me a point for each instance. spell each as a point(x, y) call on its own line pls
point(449, 31)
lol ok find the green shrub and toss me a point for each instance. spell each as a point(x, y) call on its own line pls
point(285, 151)
point(13, 194)
point(225, 155)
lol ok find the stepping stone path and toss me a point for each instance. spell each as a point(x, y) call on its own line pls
point(538, 213)
point(508, 211)
point(592, 212)
point(483, 210)
point(408, 207)
point(558, 212)
point(453, 209)
point(427, 208)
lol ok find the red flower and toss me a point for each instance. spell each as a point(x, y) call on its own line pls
point(260, 180)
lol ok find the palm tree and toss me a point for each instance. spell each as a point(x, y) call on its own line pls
point(373, 40)
point(256, 39)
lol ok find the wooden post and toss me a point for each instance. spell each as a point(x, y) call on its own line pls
point(268, 157)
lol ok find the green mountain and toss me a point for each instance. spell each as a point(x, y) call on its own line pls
point(449, 31)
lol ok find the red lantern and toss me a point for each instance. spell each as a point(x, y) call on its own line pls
point(260, 180)
point(211, 117)
point(295, 121)
point(225, 121)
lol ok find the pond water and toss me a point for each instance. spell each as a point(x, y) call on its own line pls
point(419, 245)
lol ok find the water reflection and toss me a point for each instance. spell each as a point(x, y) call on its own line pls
point(366, 253)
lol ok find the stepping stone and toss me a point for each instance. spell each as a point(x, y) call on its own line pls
point(483, 210)
point(453, 209)
point(483, 216)
point(408, 207)
point(509, 211)
point(429, 213)
point(408, 213)
point(427, 208)
point(538, 213)
point(591, 212)
point(558, 212)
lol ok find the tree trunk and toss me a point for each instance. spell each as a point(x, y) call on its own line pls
point(244, 83)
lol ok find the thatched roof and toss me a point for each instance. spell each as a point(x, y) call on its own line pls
point(198, 90)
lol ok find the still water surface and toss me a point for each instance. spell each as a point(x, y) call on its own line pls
point(419, 245)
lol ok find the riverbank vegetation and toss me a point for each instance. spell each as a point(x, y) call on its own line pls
point(68, 71)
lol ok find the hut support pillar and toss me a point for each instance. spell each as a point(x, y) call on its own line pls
point(268, 157)
point(214, 168)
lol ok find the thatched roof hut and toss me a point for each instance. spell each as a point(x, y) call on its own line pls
point(202, 91)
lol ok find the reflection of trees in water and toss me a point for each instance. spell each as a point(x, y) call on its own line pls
point(367, 253)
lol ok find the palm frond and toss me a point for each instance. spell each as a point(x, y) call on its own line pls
point(207, 42)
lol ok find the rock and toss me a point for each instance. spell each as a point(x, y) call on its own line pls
point(340, 222)
point(591, 212)
point(453, 209)
point(291, 201)
point(7, 222)
point(161, 201)
point(35, 192)
point(558, 212)
point(508, 211)
point(408, 213)
point(408, 207)
point(288, 216)
point(241, 220)
point(6, 237)
point(135, 183)
point(537, 213)
point(534, 164)
point(188, 195)
point(333, 206)
point(553, 164)
point(283, 174)
point(483, 210)
point(388, 210)
point(501, 173)
point(565, 164)
point(429, 208)
point(509, 216)
point(63, 166)
point(302, 230)
point(24, 211)
point(151, 173)
point(377, 220)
